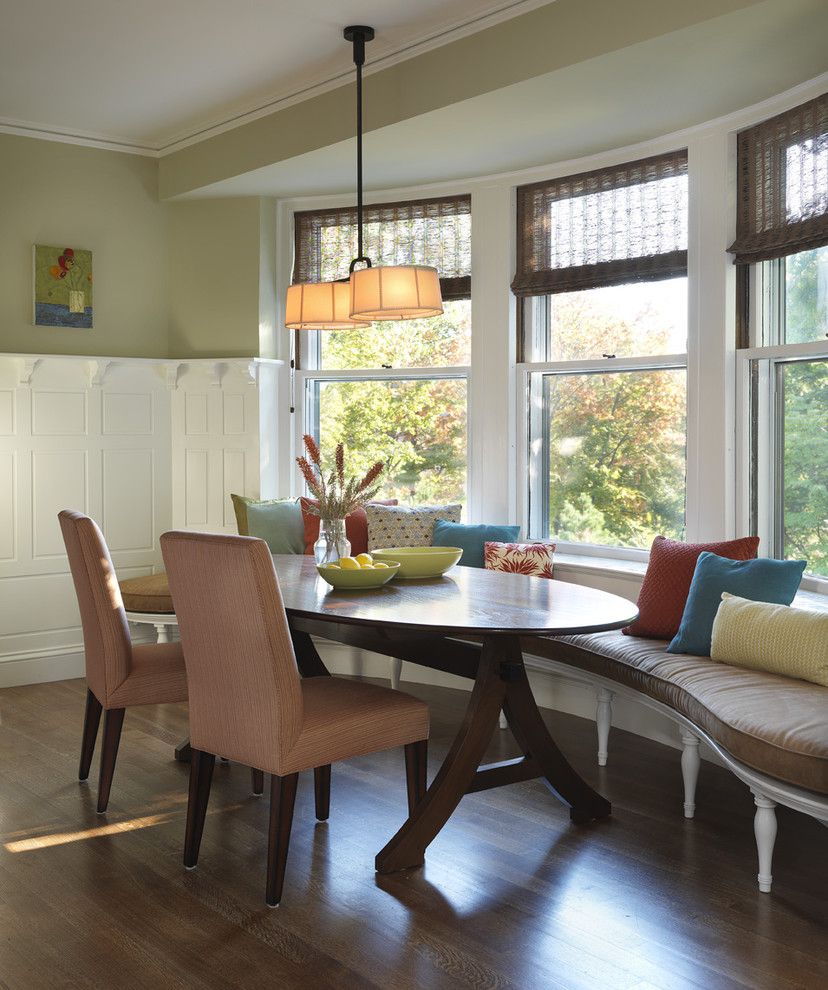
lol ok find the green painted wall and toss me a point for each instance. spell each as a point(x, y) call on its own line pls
point(214, 247)
point(106, 202)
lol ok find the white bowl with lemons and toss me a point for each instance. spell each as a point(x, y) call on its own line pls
point(358, 572)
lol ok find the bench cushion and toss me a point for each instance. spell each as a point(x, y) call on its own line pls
point(148, 593)
point(774, 724)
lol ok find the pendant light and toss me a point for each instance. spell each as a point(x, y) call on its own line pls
point(384, 292)
point(320, 306)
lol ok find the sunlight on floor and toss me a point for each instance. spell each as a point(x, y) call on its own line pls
point(61, 838)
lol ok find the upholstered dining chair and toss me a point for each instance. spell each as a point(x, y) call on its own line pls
point(248, 702)
point(118, 674)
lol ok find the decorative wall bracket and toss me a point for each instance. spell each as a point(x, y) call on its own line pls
point(26, 368)
point(98, 370)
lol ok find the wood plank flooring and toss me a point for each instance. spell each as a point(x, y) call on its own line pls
point(512, 895)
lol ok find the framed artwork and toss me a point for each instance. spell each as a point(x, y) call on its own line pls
point(62, 287)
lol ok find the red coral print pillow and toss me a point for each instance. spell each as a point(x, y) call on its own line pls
point(534, 559)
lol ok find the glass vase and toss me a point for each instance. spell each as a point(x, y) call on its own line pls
point(332, 543)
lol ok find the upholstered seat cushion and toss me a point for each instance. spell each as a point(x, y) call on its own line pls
point(348, 718)
point(777, 725)
point(148, 593)
point(157, 676)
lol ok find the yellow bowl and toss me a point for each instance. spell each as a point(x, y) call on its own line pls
point(355, 579)
point(419, 562)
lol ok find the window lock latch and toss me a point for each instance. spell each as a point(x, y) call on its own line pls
point(608, 355)
point(386, 366)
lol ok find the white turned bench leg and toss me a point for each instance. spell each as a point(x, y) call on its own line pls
point(502, 721)
point(689, 770)
point(764, 828)
point(162, 630)
point(396, 673)
point(603, 721)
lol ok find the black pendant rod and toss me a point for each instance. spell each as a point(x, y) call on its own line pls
point(358, 35)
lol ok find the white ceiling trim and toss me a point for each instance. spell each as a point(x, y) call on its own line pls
point(491, 14)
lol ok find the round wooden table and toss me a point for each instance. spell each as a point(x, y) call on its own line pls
point(469, 623)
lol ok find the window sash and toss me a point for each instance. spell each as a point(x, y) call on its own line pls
point(533, 441)
point(308, 422)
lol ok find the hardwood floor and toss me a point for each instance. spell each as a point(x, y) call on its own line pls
point(512, 895)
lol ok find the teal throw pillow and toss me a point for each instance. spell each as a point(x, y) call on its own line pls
point(279, 524)
point(760, 580)
point(471, 539)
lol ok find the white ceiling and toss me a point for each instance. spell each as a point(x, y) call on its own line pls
point(637, 93)
point(150, 73)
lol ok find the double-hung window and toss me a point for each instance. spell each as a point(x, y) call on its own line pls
point(601, 283)
point(781, 249)
point(395, 392)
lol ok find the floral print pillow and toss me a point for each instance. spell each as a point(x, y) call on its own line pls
point(534, 559)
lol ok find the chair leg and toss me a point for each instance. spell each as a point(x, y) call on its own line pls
point(201, 776)
point(91, 721)
point(282, 800)
point(257, 781)
point(416, 766)
point(113, 720)
point(322, 791)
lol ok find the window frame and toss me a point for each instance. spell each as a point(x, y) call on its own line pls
point(759, 425)
point(532, 458)
point(307, 373)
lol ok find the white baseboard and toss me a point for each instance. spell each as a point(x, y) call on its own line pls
point(40, 666)
point(52, 663)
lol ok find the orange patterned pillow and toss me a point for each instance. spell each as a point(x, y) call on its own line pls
point(534, 559)
point(666, 584)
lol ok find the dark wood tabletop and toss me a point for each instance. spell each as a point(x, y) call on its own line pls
point(465, 600)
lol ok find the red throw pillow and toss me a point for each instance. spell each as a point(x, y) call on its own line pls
point(356, 525)
point(667, 582)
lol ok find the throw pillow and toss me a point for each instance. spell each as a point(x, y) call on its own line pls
point(534, 559)
point(241, 502)
point(399, 526)
point(666, 584)
point(776, 638)
point(356, 526)
point(470, 538)
point(761, 580)
point(279, 524)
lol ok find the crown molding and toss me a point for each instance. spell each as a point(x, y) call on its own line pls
point(491, 14)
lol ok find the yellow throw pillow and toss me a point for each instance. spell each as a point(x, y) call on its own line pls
point(775, 638)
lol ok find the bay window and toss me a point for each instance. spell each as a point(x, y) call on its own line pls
point(782, 248)
point(397, 391)
point(602, 298)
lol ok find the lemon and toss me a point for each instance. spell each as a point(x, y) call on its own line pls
point(366, 567)
point(333, 567)
point(380, 566)
point(348, 564)
point(364, 559)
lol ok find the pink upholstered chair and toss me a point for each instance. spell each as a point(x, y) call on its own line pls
point(247, 700)
point(118, 674)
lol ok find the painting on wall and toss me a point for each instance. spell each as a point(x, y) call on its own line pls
point(62, 287)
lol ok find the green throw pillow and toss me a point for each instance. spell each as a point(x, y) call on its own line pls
point(277, 521)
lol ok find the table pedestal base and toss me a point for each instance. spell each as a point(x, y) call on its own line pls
point(501, 682)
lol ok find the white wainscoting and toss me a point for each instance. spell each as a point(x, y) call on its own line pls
point(215, 443)
point(141, 446)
